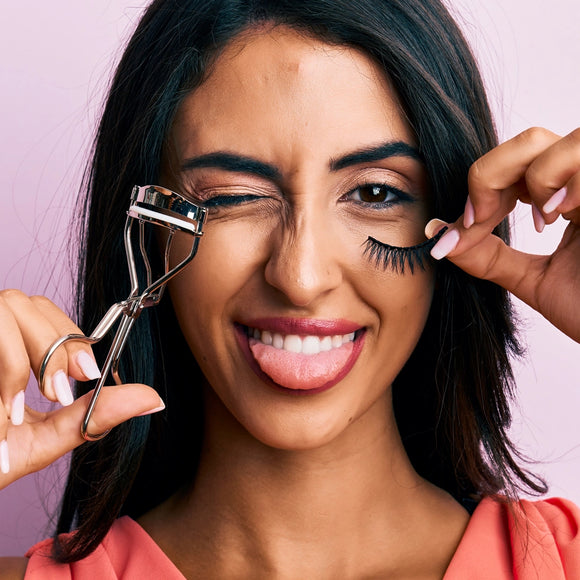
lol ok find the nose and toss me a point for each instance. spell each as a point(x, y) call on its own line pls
point(304, 261)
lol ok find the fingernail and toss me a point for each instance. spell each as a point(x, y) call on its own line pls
point(88, 365)
point(446, 244)
point(469, 214)
point(553, 203)
point(62, 389)
point(17, 409)
point(151, 411)
point(539, 222)
point(434, 227)
point(4, 457)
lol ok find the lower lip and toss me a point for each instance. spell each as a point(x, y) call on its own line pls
point(242, 339)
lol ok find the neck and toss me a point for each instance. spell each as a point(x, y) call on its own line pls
point(324, 508)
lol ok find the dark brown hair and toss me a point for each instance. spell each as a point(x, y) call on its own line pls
point(451, 399)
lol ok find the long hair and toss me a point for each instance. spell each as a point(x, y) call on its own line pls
point(451, 399)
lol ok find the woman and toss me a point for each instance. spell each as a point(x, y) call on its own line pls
point(322, 137)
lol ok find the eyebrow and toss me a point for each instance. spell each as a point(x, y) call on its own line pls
point(376, 153)
point(241, 164)
point(233, 162)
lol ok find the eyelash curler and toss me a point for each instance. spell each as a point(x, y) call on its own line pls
point(149, 204)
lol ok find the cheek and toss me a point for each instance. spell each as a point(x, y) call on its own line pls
point(401, 304)
point(229, 256)
point(410, 297)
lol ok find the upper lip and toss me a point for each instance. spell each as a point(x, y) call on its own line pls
point(304, 326)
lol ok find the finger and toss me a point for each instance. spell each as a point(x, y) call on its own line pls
point(484, 255)
point(569, 207)
point(459, 238)
point(502, 167)
point(4, 457)
point(37, 335)
point(115, 405)
point(549, 173)
point(14, 362)
point(81, 361)
point(60, 432)
point(49, 436)
point(3, 428)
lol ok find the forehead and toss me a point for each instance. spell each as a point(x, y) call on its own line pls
point(276, 79)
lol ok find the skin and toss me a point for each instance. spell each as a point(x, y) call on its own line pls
point(295, 250)
point(300, 257)
point(531, 168)
point(313, 486)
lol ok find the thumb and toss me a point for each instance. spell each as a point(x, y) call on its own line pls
point(115, 405)
point(39, 443)
point(482, 254)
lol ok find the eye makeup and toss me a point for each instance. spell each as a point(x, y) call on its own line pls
point(398, 258)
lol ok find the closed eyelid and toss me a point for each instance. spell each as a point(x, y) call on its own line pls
point(221, 200)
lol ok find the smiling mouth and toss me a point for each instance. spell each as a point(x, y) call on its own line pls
point(300, 363)
point(295, 343)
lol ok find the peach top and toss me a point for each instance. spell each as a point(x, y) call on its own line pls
point(496, 544)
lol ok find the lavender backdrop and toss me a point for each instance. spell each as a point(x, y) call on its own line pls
point(55, 61)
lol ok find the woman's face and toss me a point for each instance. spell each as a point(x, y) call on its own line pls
point(301, 152)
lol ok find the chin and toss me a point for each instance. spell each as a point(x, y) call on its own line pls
point(292, 423)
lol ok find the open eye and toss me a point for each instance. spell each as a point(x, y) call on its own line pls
point(374, 193)
point(378, 194)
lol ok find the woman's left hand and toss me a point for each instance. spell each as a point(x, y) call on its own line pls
point(536, 167)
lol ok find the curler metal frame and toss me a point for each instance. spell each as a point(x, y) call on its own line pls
point(149, 204)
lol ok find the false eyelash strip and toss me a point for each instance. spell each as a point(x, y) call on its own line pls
point(398, 258)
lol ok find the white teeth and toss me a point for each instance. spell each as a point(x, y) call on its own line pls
point(311, 345)
point(292, 343)
point(301, 344)
point(326, 344)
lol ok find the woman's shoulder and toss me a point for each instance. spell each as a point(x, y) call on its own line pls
point(12, 568)
point(535, 539)
point(127, 551)
point(553, 520)
point(560, 515)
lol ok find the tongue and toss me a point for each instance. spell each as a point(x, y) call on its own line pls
point(300, 371)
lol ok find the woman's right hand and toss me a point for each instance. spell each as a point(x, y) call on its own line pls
point(30, 440)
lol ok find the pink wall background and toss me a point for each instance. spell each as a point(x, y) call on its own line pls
point(55, 59)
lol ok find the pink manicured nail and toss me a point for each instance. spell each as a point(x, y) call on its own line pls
point(62, 389)
point(17, 409)
point(4, 457)
point(151, 411)
point(553, 203)
point(434, 226)
point(446, 244)
point(88, 365)
point(539, 222)
point(468, 214)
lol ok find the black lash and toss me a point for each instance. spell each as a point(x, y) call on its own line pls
point(397, 257)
